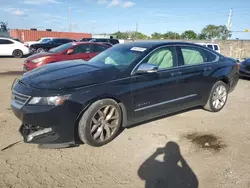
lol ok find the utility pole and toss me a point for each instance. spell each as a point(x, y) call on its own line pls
point(70, 24)
point(136, 29)
point(229, 22)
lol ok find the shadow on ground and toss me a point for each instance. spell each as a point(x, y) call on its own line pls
point(11, 73)
point(11, 57)
point(172, 172)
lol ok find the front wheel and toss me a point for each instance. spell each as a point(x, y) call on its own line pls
point(100, 123)
point(218, 97)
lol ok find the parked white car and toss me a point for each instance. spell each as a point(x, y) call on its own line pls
point(213, 46)
point(41, 40)
point(12, 47)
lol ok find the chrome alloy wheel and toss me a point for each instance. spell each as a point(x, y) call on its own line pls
point(104, 123)
point(219, 97)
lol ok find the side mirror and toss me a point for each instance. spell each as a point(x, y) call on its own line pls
point(146, 68)
point(70, 51)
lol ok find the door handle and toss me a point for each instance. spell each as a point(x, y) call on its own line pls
point(208, 68)
point(176, 73)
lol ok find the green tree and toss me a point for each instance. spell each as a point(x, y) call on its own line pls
point(139, 35)
point(189, 34)
point(171, 35)
point(156, 36)
point(201, 36)
point(120, 35)
point(224, 32)
point(216, 32)
point(4, 27)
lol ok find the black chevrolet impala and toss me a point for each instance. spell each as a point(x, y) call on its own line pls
point(70, 101)
point(245, 68)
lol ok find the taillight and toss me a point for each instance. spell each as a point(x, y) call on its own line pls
point(26, 45)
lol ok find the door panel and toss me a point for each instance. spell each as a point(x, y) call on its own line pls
point(196, 69)
point(157, 93)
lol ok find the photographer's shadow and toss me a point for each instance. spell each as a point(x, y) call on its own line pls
point(173, 172)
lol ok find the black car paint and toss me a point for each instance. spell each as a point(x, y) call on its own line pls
point(49, 45)
point(245, 68)
point(138, 95)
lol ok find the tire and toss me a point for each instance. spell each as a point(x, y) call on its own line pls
point(92, 123)
point(17, 54)
point(217, 101)
point(39, 50)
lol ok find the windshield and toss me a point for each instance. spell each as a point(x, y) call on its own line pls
point(61, 48)
point(119, 56)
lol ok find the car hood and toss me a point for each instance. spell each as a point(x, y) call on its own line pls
point(68, 74)
point(38, 55)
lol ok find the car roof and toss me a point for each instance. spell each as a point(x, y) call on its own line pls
point(149, 44)
point(62, 38)
point(86, 42)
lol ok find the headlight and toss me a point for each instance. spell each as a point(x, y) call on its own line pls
point(39, 60)
point(54, 101)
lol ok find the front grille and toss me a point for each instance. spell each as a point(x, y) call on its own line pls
point(19, 99)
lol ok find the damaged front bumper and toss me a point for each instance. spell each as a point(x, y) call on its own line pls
point(32, 133)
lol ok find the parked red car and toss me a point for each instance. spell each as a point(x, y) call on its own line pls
point(69, 51)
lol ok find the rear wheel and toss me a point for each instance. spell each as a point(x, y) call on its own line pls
point(17, 54)
point(218, 97)
point(100, 123)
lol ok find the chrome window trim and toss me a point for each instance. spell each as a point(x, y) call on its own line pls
point(216, 59)
point(165, 102)
point(176, 45)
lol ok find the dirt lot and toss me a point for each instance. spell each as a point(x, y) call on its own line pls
point(205, 161)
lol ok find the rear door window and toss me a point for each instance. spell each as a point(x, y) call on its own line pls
point(216, 47)
point(194, 56)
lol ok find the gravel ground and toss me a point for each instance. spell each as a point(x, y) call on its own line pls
point(214, 150)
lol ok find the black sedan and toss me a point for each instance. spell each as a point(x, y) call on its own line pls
point(46, 46)
point(245, 68)
point(61, 103)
